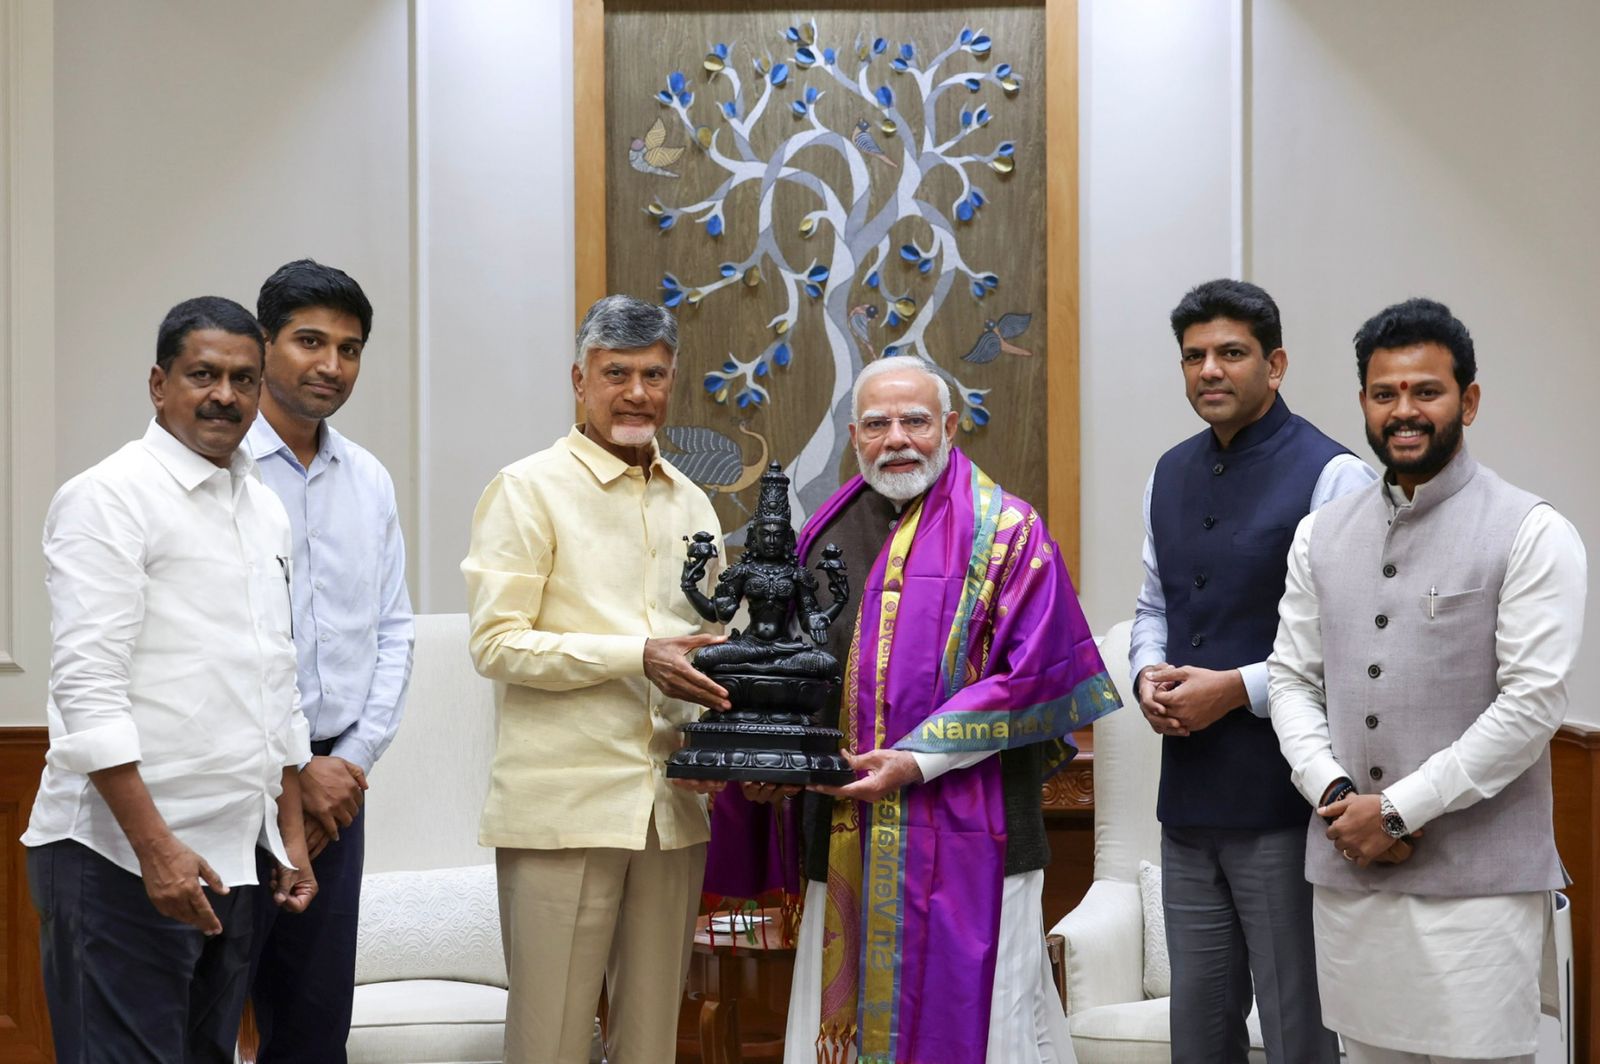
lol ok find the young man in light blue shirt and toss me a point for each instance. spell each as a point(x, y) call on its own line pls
point(353, 635)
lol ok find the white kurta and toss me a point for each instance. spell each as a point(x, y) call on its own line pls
point(1026, 1023)
point(1448, 976)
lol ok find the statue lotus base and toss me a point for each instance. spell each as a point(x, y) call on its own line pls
point(767, 737)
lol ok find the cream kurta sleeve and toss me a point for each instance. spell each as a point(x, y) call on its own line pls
point(506, 569)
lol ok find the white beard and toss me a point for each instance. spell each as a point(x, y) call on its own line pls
point(903, 487)
point(632, 435)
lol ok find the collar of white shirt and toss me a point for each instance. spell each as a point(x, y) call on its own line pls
point(188, 468)
point(263, 440)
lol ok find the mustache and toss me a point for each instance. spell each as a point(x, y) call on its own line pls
point(905, 454)
point(1424, 427)
point(217, 412)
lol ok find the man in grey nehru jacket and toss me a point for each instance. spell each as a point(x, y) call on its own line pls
point(1425, 637)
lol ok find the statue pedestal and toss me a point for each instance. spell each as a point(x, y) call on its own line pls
point(769, 736)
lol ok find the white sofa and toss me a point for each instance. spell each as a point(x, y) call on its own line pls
point(1112, 1019)
point(430, 973)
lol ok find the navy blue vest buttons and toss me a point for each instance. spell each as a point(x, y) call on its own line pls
point(1372, 721)
point(1374, 672)
point(1200, 580)
point(1381, 621)
point(1389, 570)
point(1217, 469)
point(1197, 640)
point(1209, 521)
point(1375, 772)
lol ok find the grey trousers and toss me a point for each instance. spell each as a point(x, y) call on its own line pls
point(1238, 909)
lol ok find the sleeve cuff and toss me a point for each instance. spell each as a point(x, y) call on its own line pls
point(621, 655)
point(355, 751)
point(93, 749)
point(1415, 800)
point(1141, 659)
point(934, 765)
point(1255, 688)
point(1314, 781)
point(296, 736)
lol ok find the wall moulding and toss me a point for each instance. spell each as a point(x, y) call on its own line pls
point(27, 368)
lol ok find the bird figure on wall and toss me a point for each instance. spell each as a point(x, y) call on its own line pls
point(861, 318)
point(868, 146)
point(650, 155)
point(714, 460)
point(996, 338)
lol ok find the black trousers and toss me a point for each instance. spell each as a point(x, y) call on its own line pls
point(126, 985)
point(304, 964)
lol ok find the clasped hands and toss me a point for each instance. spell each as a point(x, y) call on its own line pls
point(1357, 831)
point(1180, 700)
point(332, 791)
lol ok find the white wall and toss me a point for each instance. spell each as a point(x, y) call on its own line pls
point(1377, 151)
point(1343, 155)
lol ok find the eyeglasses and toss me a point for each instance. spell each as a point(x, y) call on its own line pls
point(875, 428)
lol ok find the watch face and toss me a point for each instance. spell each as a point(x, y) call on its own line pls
point(1394, 825)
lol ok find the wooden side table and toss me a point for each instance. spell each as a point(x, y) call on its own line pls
point(736, 1002)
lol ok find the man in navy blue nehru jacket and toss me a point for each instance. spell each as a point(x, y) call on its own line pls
point(1220, 511)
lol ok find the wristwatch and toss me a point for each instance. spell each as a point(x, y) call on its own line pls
point(1393, 824)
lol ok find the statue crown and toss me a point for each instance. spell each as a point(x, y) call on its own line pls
point(773, 504)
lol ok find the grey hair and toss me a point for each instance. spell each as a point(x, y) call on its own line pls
point(900, 363)
point(623, 323)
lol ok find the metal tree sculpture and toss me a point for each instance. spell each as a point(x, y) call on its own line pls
point(843, 86)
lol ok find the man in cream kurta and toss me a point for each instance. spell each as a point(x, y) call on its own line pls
point(572, 582)
point(1427, 630)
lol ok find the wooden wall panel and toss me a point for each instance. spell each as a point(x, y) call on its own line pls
point(24, 1025)
point(1575, 757)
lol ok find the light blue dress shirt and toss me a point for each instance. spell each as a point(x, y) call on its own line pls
point(352, 615)
point(1344, 473)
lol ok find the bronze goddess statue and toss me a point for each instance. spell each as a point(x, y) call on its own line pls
point(776, 680)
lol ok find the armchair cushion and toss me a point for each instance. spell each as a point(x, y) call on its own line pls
point(443, 923)
point(1157, 967)
point(427, 1020)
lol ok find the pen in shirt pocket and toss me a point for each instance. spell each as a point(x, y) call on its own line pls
point(287, 565)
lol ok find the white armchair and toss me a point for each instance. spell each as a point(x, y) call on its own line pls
point(430, 973)
point(1112, 1018)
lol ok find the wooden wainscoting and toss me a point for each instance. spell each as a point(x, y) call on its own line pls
point(1069, 818)
point(1575, 762)
point(24, 1024)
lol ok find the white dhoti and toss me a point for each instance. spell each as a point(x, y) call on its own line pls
point(1026, 1024)
point(1444, 977)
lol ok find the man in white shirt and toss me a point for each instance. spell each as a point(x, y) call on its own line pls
point(353, 634)
point(175, 735)
point(1426, 634)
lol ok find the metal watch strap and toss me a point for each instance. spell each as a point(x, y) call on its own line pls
point(1393, 824)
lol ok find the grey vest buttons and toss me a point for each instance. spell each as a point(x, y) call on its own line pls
point(1374, 672)
point(1389, 570)
point(1375, 772)
point(1372, 720)
point(1381, 621)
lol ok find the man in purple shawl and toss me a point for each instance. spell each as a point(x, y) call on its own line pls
point(922, 936)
